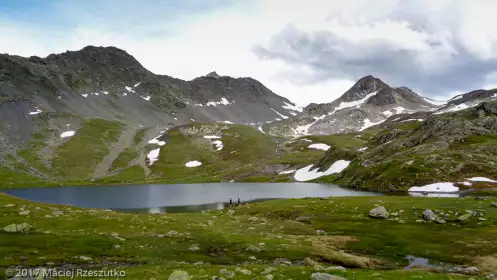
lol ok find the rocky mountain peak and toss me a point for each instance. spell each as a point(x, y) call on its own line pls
point(213, 74)
point(364, 86)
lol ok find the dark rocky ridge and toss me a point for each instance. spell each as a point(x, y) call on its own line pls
point(109, 83)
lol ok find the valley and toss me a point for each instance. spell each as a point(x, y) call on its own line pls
point(96, 118)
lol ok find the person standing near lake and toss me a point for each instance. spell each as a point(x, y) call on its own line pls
point(238, 201)
point(231, 201)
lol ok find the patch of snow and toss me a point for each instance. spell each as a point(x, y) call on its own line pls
point(481, 179)
point(397, 110)
point(212, 137)
point(466, 183)
point(68, 124)
point(456, 108)
point(277, 119)
point(228, 122)
point(287, 172)
point(36, 112)
point(279, 114)
point(357, 103)
point(105, 92)
point(84, 95)
point(192, 119)
point(223, 101)
point(219, 145)
point(146, 98)
point(304, 129)
point(153, 156)
point(368, 123)
point(129, 89)
point(96, 93)
point(306, 174)
point(67, 134)
point(445, 187)
point(156, 141)
point(293, 113)
point(419, 194)
point(306, 140)
point(59, 97)
point(291, 107)
point(419, 120)
point(193, 163)
point(176, 118)
point(125, 94)
point(319, 146)
point(137, 84)
point(395, 119)
point(260, 129)
point(362, 149)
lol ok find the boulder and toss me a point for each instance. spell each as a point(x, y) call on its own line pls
point(179, 275)
point(326, 276)
point(429, 215)
point(464, 217)
point(379, 213)
point(252, 248)
point(494, 204)
point(309, 262)
point(18, 228)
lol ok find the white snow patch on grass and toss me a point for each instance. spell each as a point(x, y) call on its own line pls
point(146, 98)
point(67, 134)
point(481, 179)
point(293, 113)
point(137, 84)
point(36, 112)
point(84, 95)
point(306, 174)
point(306, 140)
point(287, 172)
point(466, 183)
point(357, 103)
point(218, 144)
point(279, 114)
point(153, 156)
point(105, 92)
point(228, 122)
point(212, 137)
point(368, 123)
point(319, 146)
point(445, 187)
point(362, 149)
point(193, 163)
point(409, 120)
point(260, 129)
point(156, 141)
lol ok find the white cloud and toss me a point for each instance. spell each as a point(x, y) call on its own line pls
point(222, 39)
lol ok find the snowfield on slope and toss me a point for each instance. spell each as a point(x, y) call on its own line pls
point(481, 179)
point(445, 187)
point(153, 156)
point(319, 146)
point(67, 134)
point(306, 174)
point(193, 163)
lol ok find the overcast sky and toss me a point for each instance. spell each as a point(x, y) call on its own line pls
point(305, 50)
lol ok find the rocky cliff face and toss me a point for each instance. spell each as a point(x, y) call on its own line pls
point(370, 101)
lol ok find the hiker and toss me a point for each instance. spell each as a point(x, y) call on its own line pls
point(238, 201)
point(231, 201)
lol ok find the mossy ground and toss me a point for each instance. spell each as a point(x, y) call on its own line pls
point(153, 245)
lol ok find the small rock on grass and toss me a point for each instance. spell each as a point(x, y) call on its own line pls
point(379, 213)
point(429, 215)
point(494, 204)
point(179, 275)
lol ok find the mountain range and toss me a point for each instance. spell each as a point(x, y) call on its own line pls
point(97, 115)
